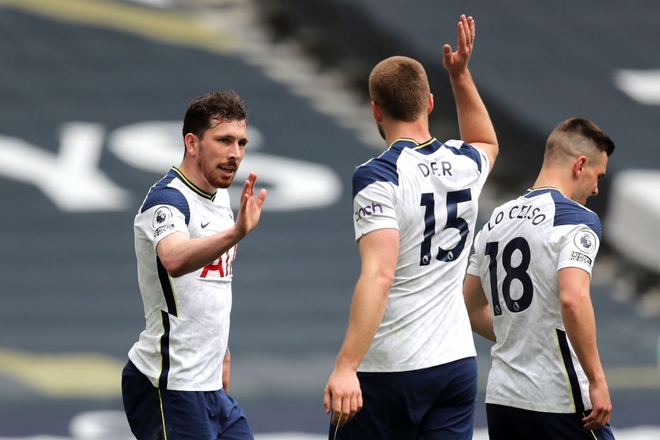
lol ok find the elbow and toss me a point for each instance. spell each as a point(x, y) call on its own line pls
point(174, 268)
point(494, 151)
point(385, 280)
point(176, 273)
point(571, 303)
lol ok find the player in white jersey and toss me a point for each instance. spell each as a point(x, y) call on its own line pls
point(175, 382)
point(407, 362)
point(527, 289)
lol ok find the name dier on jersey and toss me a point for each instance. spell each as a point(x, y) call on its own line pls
point(427, 169)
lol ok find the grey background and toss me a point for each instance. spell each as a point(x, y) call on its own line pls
point(68, 280)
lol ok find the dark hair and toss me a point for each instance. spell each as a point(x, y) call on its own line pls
point(571, 131)
point(400, 87)
point(212, 108)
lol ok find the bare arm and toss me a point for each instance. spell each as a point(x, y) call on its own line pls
point(379, 252)
point(226, 371)
point(481, 317)
point(474, 122)
point(180, 254)
point(580, 323)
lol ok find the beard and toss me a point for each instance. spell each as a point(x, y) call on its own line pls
point(215, 176)
point(380, 130)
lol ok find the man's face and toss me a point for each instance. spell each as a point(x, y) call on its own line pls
point(592, 172)
point(220, 152)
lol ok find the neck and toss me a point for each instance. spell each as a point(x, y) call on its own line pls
point(417, 131)
point(547, 179)
point(192, 174)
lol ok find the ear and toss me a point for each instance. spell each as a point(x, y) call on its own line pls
point(190, 142)
point(430, 105)
point(378, 113)
point(578, 166)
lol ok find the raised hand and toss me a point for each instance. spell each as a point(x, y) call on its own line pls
point(456, 62)
point(249, 211)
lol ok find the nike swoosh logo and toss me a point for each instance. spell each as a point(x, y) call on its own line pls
point(204, 225)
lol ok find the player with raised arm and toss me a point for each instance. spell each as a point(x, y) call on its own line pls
point(176, 381)
point(407, 366)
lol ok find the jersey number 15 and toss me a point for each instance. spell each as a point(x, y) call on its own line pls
point(453, 222)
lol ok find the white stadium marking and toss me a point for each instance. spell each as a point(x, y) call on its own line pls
point(641, 85)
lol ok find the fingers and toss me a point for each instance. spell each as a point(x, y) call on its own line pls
point(261, 198)
point(248, 190)
point(597, 419)
point(348, 410)
point(327, 399)
point(252, 178)
point(354, 406)
point(462, 34)
point(594, 425)
point(343, 407)
point(456, 62)
point(466, 33)
point(248, 186)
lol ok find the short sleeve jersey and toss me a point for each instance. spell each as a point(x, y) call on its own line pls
point(429, 193)
point(518, 253)
point(187, 317)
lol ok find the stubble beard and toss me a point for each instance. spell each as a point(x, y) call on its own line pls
point(212, 174)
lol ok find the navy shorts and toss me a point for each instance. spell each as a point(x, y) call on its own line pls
point(432, 403)
point(507, 423)
point(155, 414)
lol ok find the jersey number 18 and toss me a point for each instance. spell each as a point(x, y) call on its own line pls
point(518, 272)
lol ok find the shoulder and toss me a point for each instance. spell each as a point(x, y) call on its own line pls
point(475, 154)
point(164, 192)
point(379, 169)
point(568, 212)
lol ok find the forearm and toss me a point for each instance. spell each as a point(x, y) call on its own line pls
point(580, 324)
point(481, 321)
point(479, 311)
point(474, 121)
point(579, 320)
point(226, 371)
point(181, 255)
point(367, 310)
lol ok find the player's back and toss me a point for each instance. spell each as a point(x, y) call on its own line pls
point(518, 253)
point(429, 193)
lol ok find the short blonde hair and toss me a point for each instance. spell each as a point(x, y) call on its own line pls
point(400, 87)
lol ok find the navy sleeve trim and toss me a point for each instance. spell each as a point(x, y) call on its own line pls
point(568, 212)
point(380, 169)
point(161, 194)
point(468, 151)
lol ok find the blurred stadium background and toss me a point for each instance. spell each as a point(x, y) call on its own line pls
point(93, 92)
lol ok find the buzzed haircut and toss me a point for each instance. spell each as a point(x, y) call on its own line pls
point(400, 87)
point(578, 136)
point(208, 110)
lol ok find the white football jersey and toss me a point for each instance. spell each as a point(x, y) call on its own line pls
point(187, 318)
point(518, 253)
point(429, 193)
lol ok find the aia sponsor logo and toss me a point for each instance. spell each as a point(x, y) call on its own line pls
point(220, 268)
